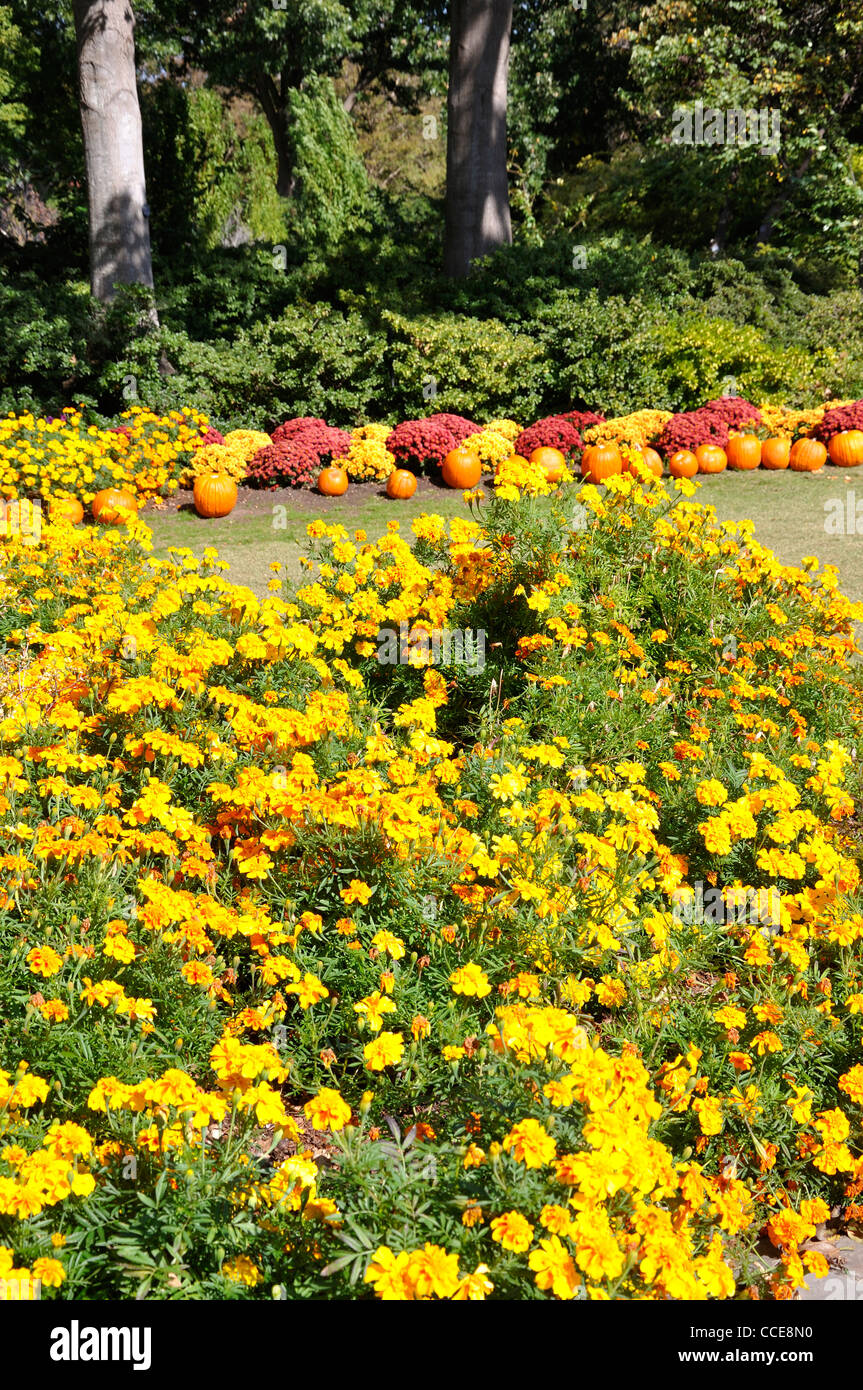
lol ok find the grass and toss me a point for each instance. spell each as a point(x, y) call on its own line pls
point(789, 510)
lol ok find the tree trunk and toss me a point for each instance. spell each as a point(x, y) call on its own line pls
point(113, 146)
point(477, 190)
point(274, 104)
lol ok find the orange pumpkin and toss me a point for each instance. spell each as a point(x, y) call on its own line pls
point(551, 461)
point(401, 483)
point(775, 453)
point(807, 456)
point(683, 464)
point(601, 461)
point(461, 468)
point(214, 494)
point(333, 482)
point(846, 449)
point(67, 509)
point(114, 506)
point(711, 459)
point(650, 460)
point(744, 451)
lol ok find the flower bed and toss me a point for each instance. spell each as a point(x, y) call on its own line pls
point(149, 456)
point(65, 457)
point(582, 918)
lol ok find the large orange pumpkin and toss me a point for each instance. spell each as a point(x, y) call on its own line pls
point(551, 461)
point(711, 459)
point(461, 468)
point(215, 494)
point(775, 453)
point(333, 482)
point(744, 451)
point(67, 509)
point(401, 483)
point(683, 464)
point(846, 449)
point(114, 506)
point(807, 456)
point(601, 461)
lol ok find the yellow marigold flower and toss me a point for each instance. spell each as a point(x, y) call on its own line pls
point(54, 1010)
point(834, 1125)
point(356, 892)
point(120, 948)
point(197, 972)
point(388, 1273)
point(433, 1273)
point(49, 1272)
point(610, 992)
point(470, 980)
point(327, 1110)
point(420, 1027)
point(374, 1008)
point(851, 1082)
point(709, 1112)
point(386, 941)
point(554, 1269)
point(44, 960)
point(730, 1017)
point(530, 1144)
point(801, 1105)
point(513, 1231)
point(384, 1051)
point(556, 1219)
point(309, 990)
point(474, 1287)
point(241, 1270)
point(711, 793)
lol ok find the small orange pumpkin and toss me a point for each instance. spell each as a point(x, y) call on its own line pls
point(711, 459)
point(846, 449)
point(683, 464)
point(333, 481)
point(551, 461)
point(215, 495)
point(807, 456)
point(775, 453)
point(461, 468)
point(601, 461)
point(67, 509)
point(114, 506)
point(744, 451)
point(401, 483)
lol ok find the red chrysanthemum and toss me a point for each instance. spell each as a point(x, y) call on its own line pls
point(210, 436)
point(735, 411)
point(292, 427)
point(561, 432)
point(419, 444)
point(846, 417)
point(298, 459)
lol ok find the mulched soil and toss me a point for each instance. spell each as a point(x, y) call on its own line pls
point(260, 502)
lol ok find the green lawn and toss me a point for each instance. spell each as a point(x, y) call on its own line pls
point(788, 510)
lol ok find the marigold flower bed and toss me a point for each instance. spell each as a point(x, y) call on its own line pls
point(426, 980)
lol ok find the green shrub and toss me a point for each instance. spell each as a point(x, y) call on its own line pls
point(468, 366)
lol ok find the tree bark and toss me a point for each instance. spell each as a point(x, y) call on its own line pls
point(113, 146)
point(274, 105)
point(477, 194)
